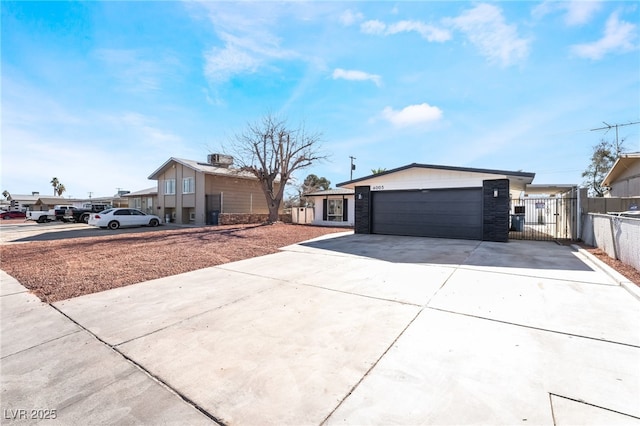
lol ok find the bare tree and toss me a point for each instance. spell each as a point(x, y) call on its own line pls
point(272, 151)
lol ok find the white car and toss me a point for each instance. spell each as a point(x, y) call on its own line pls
point(122, 217)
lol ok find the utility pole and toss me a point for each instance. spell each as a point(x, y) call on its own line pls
point(90, 193)
point(353, 166)
point(611, 126)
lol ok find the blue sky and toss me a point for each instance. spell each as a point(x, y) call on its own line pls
point(100, 94)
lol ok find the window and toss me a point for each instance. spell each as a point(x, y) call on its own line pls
point(336, 210)
point(170, 186)
point(187, 185)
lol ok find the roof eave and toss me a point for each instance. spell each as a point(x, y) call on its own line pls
point(622, 163)
point(438, 167)
point(159, 170)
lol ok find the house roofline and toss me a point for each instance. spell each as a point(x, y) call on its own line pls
point(439, 167)
point(230, 172)
point(613, 171)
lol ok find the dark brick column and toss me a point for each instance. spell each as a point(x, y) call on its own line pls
point(363, 210)
point(495, 210)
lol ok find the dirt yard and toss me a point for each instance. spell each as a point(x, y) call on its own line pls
point(61, 269)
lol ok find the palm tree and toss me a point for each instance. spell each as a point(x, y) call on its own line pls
point(55, 182)
point(60, 189)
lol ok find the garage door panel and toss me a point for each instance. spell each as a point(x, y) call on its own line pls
point(450, 213)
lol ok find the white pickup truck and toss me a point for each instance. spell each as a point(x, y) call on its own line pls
point(47, 215)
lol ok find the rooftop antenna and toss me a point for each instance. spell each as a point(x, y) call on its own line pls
point(353, 166)
point(608, 127)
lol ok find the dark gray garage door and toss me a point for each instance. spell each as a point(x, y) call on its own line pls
point(445, 213)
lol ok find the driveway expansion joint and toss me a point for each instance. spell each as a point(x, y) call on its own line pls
point(42, 343)
point(551, 394)
point(354, 387)
point(534, 328)
point(143, 369)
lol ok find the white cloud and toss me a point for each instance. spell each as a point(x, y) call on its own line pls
point(581, 12)
point(134, 72)
point(619, 36)
point(349, 17)
point(412, 115)
point(249, 44)
point(373, 27)
point(426, 31)
point(486, 28)
point(355, 75)
point(576, 12)
point(222, 64)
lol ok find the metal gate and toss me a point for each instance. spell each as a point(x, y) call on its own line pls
point(544, 218)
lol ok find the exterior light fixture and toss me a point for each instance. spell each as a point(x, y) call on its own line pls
point(495, 192)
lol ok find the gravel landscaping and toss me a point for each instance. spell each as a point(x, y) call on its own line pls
point(65, 268)
point(62, 269)
point(628, 271)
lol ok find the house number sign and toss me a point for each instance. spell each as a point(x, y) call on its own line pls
point(377, 187)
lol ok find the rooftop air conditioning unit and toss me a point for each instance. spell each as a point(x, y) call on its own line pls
point(220, 160)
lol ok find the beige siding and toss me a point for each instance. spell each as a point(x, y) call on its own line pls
point(232, 195)
point(238, 195)
point(628, 184)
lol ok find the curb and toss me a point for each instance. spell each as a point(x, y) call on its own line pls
point(615, 275)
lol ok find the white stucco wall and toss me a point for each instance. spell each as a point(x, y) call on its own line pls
point(423, 178)
point(317, 219)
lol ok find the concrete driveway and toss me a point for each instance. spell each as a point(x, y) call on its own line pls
point(353, 329)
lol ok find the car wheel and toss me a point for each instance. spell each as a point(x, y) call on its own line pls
point(42, 219)
point(84, 218)
point(114, 224)
point(154, 222)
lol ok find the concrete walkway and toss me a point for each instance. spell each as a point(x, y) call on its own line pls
point(354, 329)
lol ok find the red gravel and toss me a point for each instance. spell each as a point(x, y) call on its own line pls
point(61, 269)
point(628, 271)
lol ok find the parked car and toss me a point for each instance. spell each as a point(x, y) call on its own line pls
point(12, 214)
point(122, 217)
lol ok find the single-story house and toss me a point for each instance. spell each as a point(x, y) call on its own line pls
point(333, 207)
point(38, 202)
point(623, 179)
point(193, 192)
point(437, 201)
point(30, 201)
point(145, 200)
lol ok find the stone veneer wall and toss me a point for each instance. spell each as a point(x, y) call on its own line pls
point(495, 212)
point(244, 218)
